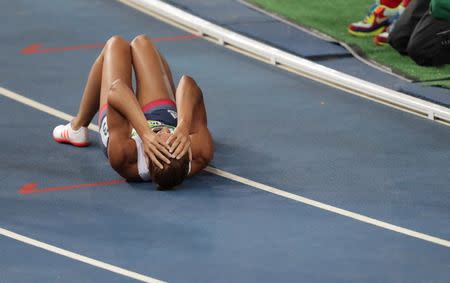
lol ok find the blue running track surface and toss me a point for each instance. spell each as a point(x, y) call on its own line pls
point(269, 126)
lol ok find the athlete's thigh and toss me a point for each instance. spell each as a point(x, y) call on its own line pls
point(116, 66)
point(153, 77)
point(116, 57)
point(168, 72)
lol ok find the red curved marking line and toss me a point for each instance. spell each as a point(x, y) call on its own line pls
point(31, 188)
point(71, 48)
point(36, 48)
point(32, 48)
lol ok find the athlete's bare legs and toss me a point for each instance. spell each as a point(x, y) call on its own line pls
point(153, 76)
point(114, 62)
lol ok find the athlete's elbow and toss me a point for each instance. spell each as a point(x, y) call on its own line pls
point(204, 159)
point(203, 162)
point(188, 81)
point(117, 163)
point(208, 156)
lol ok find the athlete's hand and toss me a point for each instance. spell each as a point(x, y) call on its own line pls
point(179, 142)
point(156, 149)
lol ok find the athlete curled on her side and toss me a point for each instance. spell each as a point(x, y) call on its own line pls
point(153, 135)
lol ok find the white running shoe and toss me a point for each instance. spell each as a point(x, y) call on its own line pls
point(65, 134)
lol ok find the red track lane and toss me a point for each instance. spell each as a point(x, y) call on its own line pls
point(31, 188)
point(36, 48)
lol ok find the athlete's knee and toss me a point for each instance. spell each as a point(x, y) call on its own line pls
point(141, 40)
point(117, 41)
point(187, 80)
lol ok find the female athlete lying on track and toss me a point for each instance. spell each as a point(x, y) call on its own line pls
point(147, 136)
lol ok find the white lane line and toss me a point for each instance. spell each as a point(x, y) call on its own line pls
point(329, 208)
point(78, 257)
point(39, 106)
point(259, 186)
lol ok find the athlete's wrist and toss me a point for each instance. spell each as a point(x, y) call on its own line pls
point(146, 135)
point(184, 124)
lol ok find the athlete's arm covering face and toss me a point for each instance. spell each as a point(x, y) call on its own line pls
point(122, 99)
point(192, 131)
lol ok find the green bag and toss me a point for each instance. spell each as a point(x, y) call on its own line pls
point(440, 9)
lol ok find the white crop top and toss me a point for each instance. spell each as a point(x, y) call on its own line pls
point(142, 159)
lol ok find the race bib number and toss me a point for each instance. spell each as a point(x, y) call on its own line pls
point(104, 133)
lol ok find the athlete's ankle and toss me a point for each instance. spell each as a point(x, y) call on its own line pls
point(76, 124)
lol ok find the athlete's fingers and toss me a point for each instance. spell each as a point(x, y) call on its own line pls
point(166, 145)
point(152, 151)
point(175, 144)
point(185, 149)
point(161, 156)
point(156, 161)
point(161, 147)
point(179, 148)
point(153, 158)
point(170, 139)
